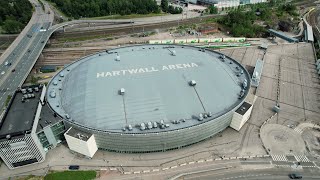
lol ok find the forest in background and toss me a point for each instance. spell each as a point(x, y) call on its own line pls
point(94, 8)
point(14, 15)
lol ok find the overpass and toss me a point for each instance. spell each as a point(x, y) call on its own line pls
point(282, 36)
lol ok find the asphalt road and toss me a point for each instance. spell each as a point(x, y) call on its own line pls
point(265, 174)
point(23, 57)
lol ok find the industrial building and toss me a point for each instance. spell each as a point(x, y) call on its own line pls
point(25, 137)
point(230, 3)
point(147, 98)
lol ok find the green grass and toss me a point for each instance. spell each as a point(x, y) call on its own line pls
point(71, 175)
point(7, 100)
point(131, 16)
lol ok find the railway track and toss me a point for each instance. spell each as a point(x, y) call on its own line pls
point(130, 29)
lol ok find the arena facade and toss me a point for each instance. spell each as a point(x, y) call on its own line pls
point(148, 98)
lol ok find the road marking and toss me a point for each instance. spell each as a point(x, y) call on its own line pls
point(192, 162)
point(155, 170)
point(172, 167)
point(136, 172)
point(218, 159)
point(209, 160)
point(146, 171)
point(301, 158)
point(163, 169)
point(183, 164)
point(127, 173)
point(201, 161)
point(279, 158)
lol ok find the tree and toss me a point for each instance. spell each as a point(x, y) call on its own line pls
point(12, 26)
point(164, 5)
point(213, 9)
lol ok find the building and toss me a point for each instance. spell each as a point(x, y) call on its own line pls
point(28, 128)
point(230, 3)
point(147, 98)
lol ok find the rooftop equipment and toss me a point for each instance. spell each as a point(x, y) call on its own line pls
point(192, 83)
point(122, 91)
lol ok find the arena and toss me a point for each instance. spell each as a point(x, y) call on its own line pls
point(149, 98)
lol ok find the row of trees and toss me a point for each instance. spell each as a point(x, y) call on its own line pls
point(94, 8)
point(242, 23)
point(14, 15)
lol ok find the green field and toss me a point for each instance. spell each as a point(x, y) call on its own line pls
point(71, 175)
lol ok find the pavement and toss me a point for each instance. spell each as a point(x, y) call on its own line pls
point(279, 139)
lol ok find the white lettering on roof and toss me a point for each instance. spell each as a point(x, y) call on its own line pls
point(146, 70)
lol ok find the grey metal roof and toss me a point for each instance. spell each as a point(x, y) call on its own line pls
point(155, 79)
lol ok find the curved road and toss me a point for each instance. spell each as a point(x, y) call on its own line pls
point(23, 53)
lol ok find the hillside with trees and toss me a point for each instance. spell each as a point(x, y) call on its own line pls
point(94, 8)
point(14, 15)
point(253, 20)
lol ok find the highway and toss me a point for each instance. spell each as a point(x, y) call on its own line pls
point(21, 57)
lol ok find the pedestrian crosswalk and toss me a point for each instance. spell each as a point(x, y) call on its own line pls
point(301, 158)
point(298, 130)
point(279, 158)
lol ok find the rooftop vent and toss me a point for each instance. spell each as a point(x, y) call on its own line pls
point(245, 84)
point(173, 53)
point(209, 114)
point(200, 118)
point(8, 136)
point(167, 125)
point(68, 69)
point(55, 82)
point(149, 124)
point(122, 91)
point(52, 94)
point(222, 56)
point(242, 108)
point(67, 116)
point(241, 93)
point(155, 124)
point(61, 74)
point(129, 127)
point(142, 126)
point(23, 91)
point(192, 83)
point(36, 89)
point(118, 57)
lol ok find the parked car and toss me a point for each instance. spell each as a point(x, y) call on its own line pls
point(295, 176)
point(74, 167)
